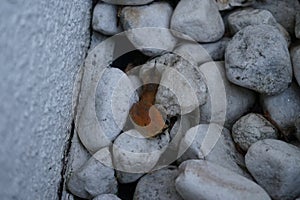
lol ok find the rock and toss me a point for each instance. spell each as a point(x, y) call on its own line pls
point(107, 197)
point(133, 153)
point(275, 166)
point(158, 185)
point(125, 177)
point(114, 98)
point(229, 4)
point(105, 19)
point(297, 125)
point(226, 102)
point(95, 177)
point(295, 55)
point(297, 25)
point(283, 109)
point(284, 11)
point(182, 87)
point(252, 128)
point(258, 58)
point(197, 20)
point(128, 2)
point(200, 179)
point(150, 24)
point(96, 39)
point(209, 142)
point(217, 49)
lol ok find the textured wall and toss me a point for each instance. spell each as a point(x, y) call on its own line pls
point(42, 45)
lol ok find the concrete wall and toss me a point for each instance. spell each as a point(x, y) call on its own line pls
point(42, 45)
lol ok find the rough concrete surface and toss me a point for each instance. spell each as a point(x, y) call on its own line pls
point(42, 45)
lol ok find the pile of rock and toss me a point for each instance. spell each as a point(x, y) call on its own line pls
point(229, 85)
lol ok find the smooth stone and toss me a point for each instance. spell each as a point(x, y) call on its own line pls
point(297, 125)
point(230, 4)
point(182, 87)
point(217, 49)
point(95, 177)
point(128, 2)
point(114, 98)
point(125, 177)
point(107, 197)
point(212, 143)
point(158, 185)
point(197, 20)
point(295, 55)
point(226, 101)
point(200, 179)
point(258, 58)
point(105, 19)
point(156, 17)
point(133, 153)
point(96, 39)
point(297, 25)
point(252, 128)
point(284, 11)
point(275, 165)
point(283, 109)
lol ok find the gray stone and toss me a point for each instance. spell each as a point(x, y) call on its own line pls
point(284, 11)
point(221, 151)
point(197, 20)
point(114, 98)
point(182, 87)
point(95, 177)
point(297, 25)
point(295, 55)
point(226, 102)
point(125, 177)
point(158, 185)
point(96, 39)
point(297, 125)
point(217, 49)
point(252, 128)
point(200, 179)
point(105, 19)
point(275, 166)
point(42, 44)
point(155, 19)
point(107, 197)
point(133, 153)
point(258, 58)
point(283, 109)
point(128, 2)
point(230, 4)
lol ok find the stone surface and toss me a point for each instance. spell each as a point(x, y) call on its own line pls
point(200, 145)
point(158, 185)
point(284, 11)
point(226, 102)
point(297, 25)
point(252, 128)
point(216, 50)
point(295, 55)
point(258, 58)
point(275, 166)
point(96, 39)
point(230, 4)
point(42, 44)
point(106, 197)
point(182, 87)
point(204, 180)
point(95, 177)
point(197, 20)
point(297, 125)
point(128, 2)
point(105, 19)
point(283, 109)
point(156, 17)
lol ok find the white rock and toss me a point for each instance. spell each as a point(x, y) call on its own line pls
point(158, 185)
point(197, 20)
point(229, 4)
point(105, 19)
point(226, 101)
point(252, 128)
point(133, 153)
point(295, 55)
point(95, 177)
point(128, 2)
point(211, 143)
point(150, 24)
point(275, 165)
point(283, 109)
point(106, 197)
point(205, 180)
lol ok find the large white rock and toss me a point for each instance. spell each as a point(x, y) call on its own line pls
point(275, 165)
point(200, 179)
point(197, 20)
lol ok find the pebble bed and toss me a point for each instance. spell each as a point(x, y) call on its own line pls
point(250, 50)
